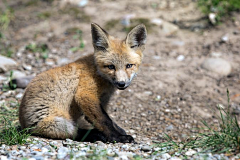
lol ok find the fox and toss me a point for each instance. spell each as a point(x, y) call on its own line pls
point(70, 100)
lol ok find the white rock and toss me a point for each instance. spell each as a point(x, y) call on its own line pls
point(167, 110)
point(126, 19)
point(157, 21)
point(2, 78)
point(53, 143)
point(85, 149)
point(175, 158)
point(156, 149)
point(169, 128)
point(158, 98)
point(125, 154)
point(180, 57)
point(133, 149)
point(125, 147)
point(3, 158)
point(101, 145)
point(146, 148)
point(22, 82)
point(131, 131)
point(19, 95)
point(63, 61)
point(169, 28)
point(20, 51)
point(80, 153)
point(190, 152)
point(178, 43)
point(50, 62)
point(18, 74)
point(166, 156)
point(156, 57)
point(44, 150)
point(145, 155)
point(83, 3)
point(110, 152)
point(143, 114)
point(2, 103)
point(217, 65)
point(212, 18)
point(123, 157)
point(81, 145)
point(225, 38)
point(23, 147)
point(35, 139)
point(6, 63)
point(148, 93)
point(27, 67)
point(62, 152)
point(216, 54)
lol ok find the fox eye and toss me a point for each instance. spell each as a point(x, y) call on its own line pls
point(134, 46)
point(111, 67)
point(129, 65)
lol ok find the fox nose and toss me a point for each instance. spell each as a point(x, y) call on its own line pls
point(121, 84)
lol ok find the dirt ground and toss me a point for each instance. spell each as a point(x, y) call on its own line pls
point(170, 95)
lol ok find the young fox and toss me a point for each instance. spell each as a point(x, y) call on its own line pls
point(63, 100)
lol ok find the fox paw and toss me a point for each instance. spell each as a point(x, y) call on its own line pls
point(122, 139)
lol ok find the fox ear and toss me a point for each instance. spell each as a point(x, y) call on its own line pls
point(137, 37)
point(99, 37)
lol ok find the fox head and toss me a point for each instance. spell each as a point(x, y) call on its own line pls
point(118, 60)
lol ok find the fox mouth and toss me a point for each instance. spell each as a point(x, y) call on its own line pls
point(121, 85)
point(122, 88)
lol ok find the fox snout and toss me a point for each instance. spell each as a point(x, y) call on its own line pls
point(123, 79)
point(121, 85)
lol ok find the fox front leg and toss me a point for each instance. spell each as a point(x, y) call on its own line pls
point(119, 129)
point(90, 105)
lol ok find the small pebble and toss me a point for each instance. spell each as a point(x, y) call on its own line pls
point(166, 156)
point(190, 152)
point(62, 152)
point(225, 38)
point(180, 57)
point(169, 128)
point(146, 148)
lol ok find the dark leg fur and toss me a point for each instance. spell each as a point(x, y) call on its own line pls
point(90, 136)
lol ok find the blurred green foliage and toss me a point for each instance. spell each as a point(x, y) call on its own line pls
point(41, 48)
point(11, 85)
point(44, 15)
point(78, 36)
point(220, 7)
point(5, 47)
point(6, 16)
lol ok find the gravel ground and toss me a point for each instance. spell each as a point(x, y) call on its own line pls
point(40, 149)
point(173, 92)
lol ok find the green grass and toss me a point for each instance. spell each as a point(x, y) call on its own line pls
point(10, 85)
point(41, 48)
point(6, 16)
point(75, 12)
point(221, 8)
point(44, 15)
point(5, 48)
point(11, 134)
point(81, 45)
point(224, 140)
point(9, 110)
